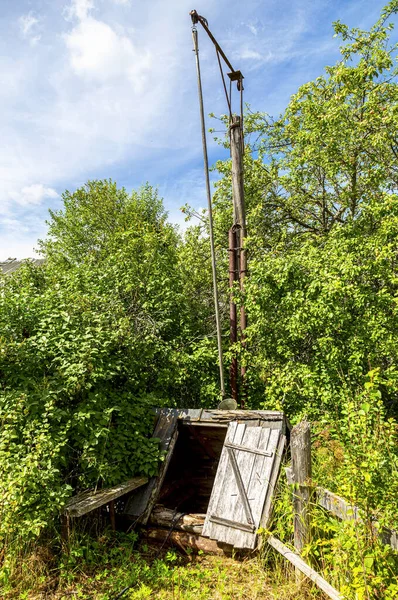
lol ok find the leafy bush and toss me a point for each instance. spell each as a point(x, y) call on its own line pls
point(89, 343)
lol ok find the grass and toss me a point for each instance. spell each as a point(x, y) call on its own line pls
point(99, 569)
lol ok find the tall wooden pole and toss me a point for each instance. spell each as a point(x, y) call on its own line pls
point(239, 216)
point(300, 445)
point(233, 326)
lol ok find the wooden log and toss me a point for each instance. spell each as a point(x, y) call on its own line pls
point(184, 539)
point(165, 517)
point(300, 443)
point(87, 501)
point(302, 566)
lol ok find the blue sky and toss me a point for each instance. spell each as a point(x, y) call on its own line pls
point(107, 88)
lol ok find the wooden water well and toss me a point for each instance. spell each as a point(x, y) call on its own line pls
point(216, 482)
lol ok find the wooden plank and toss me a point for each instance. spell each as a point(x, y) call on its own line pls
point(188, 414)
point(250, 464)
point(65, 527)
point(229, 493)
point(298, 562)
point(89, 500)
point(207, 424)
point(112, 515)
point(389, 537)
point(141, 503)
point(242, 415)
point(336, 505)
point(258, 486)
point(248, 449)
point(241, 487)
point(348, 512)
point(218, 490)
point(225, 484)
point(234, 524)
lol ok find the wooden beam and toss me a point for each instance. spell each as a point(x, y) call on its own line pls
point(241, 415)
point(336, 505)
point(302, 566)
point(233, 524)
point(345, 511)
point(85, 502)
point(248, 449)
point(268, 507)
point(141, 503)
point(348, 512)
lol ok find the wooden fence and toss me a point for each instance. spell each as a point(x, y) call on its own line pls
point(299, 475)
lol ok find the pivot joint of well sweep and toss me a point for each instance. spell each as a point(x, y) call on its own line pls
point(233, 75)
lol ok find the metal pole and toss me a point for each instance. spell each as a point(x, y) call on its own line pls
point(208, 192)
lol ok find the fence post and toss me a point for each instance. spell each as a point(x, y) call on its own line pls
point(300, 444)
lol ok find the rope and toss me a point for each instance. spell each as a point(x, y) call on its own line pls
point(225, 87)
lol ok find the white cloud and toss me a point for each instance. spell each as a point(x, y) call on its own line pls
point(247, 54)
point(17, 245)
point(27, 23)
point(97, 52)
point(79, 9)
point(29, 28)
point(253, 28)
point(33, 194)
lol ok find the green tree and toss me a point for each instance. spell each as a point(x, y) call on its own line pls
point(89, 342)
point(320, 187)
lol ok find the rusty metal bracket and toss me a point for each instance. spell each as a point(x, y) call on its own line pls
point(238, 77)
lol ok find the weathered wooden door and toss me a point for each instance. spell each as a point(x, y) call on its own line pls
point(244, 484)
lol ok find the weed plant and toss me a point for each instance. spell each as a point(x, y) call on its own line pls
point(101, 568)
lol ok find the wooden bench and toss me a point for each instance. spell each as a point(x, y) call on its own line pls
point(89, 500)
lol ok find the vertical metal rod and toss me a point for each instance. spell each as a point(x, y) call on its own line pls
point(233, 326)
point(211, 232)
